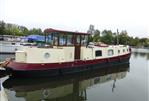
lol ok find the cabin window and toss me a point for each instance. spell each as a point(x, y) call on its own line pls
point(123, 50)
point(119, 51)
point(110, 52)
point(98, 53)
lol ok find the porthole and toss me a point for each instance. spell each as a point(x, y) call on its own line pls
point(46, 55)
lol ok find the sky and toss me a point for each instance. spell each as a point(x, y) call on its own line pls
point(77, 15)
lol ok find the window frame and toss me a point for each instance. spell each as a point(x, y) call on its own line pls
point(98, 54)
point(110, 52)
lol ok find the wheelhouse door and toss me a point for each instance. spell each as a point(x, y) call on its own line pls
point(77, 46)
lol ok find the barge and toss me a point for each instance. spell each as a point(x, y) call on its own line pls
point(65, 52)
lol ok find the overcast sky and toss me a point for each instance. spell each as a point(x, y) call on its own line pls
point(77, 15)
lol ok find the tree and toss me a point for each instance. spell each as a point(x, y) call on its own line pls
point(107, 37)
point(35, 31)
point(25, 31)
point(15, 31)
point(2, 27)
point(123, 38)
point(136, 42)
point(144, 42)
point(96, 36)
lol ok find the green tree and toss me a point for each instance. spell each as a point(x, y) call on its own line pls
point(15, 31)
point(136, 42)
point(144, 42)
point(90, 39)
point(25, 31)
point(123, 38)
point(2, 27)
point(96, 36)
point(107, 37)
point(35, 31)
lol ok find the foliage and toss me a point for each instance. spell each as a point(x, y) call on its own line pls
point(107, 37)
point(96, 37)
point(35, 31)
point(25, 31)
point(123, 38)
point(12, 29)
point(2, 28)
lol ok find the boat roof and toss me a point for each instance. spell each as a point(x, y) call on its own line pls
point(50, 30)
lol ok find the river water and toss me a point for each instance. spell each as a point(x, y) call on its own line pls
point(127, 82)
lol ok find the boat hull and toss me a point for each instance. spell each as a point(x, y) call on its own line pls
point(52, 69)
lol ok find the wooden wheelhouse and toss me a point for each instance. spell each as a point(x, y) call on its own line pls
point(67, 39)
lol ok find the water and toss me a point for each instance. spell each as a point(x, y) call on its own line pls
point(127, 82)
point(3, 57)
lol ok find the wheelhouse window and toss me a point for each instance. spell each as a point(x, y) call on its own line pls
point(62, 39)
point(123, 50)
point(70, 40)
point(98, 53)
point(55, 39)
point(49, 39)
point(78, 39)
point(110, 52)
point(84, 39)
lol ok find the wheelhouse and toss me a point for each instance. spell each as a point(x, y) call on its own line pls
point(67, 38)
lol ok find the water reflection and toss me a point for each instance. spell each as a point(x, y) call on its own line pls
point(141, 53)
point(137, 54)
point(62, 88)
